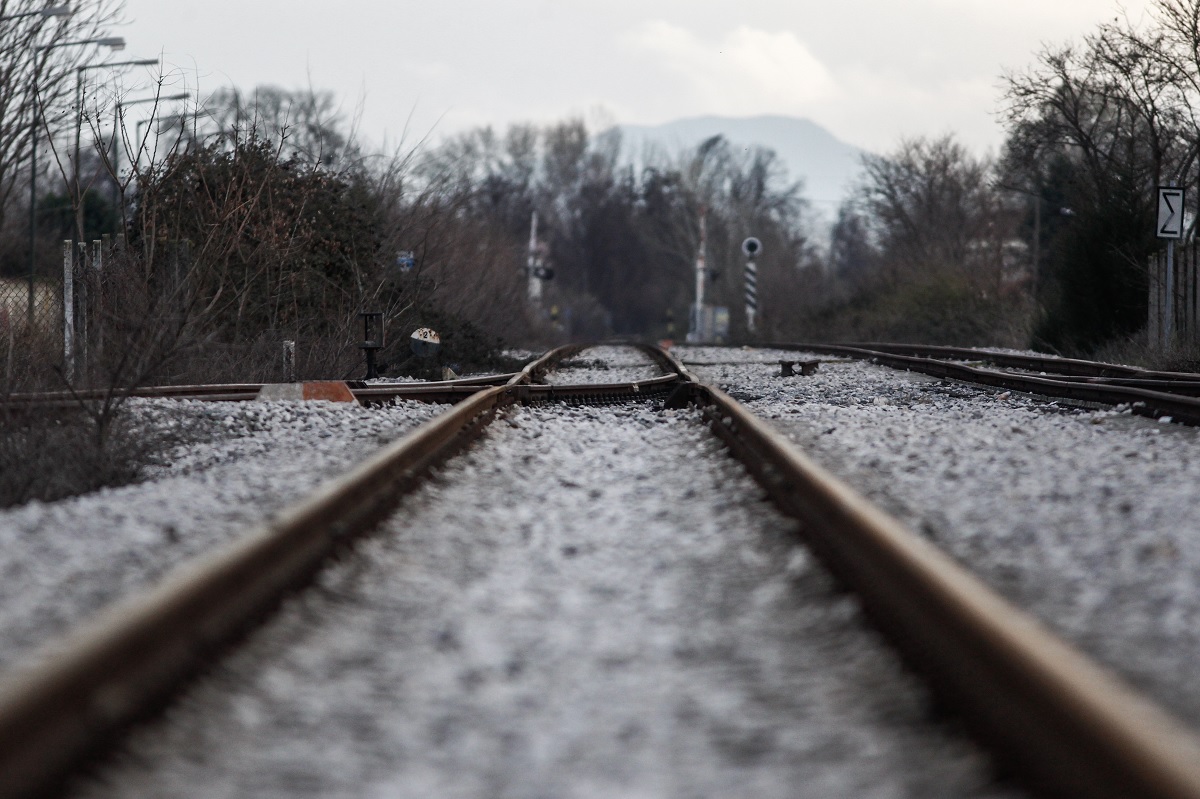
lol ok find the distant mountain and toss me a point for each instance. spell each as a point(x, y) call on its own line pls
point(826, 164)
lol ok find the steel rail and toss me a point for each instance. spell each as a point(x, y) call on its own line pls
point(420, 392)
point(117, 668)
point(598, 392)
point(452, 390)
point(1033, 363)
point(440, 391)
point(1184, 388)
point(1142, 401)
point(535, 370)
point(77, 692)
point(1065, 725)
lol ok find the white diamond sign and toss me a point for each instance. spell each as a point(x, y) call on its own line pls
point(1170, 213)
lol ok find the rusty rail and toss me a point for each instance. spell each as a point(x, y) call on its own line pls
point(1064, 724)
point(114, 670)
point(442, 391)
point(1034, 363)
point(65, 706)
point(1151, 402)
point(1067, 726)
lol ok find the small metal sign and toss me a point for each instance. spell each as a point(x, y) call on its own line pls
point(751, 247)
point(405, 260)
point(1170, 213)
point(424, 342)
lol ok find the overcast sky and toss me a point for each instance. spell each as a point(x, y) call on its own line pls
point(871, 71)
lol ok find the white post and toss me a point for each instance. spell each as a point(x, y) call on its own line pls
point(697, 331)
point(1169, 309)
point(535, 283)
point(68, 310)
point(1169, 302)
point(289, 361)
point(1193, 293)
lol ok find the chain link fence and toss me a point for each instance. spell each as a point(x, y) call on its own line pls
point(31, 333)
point(125, 325)
point(33, 307)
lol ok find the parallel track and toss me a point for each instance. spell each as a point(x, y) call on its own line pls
point(1064, 725)
point(1155, 394)
point(441, 391)
point(1032, 363)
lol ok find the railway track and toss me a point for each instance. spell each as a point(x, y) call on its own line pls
point(1146, 393)
point(441, 391)
point(1061, 722)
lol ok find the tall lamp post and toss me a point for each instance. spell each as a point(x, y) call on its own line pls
point(170, 120)
point(114, 42)
point(141, 62)
point(44, 13)
point(117, 122)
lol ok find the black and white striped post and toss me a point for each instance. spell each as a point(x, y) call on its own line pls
point(751, 247)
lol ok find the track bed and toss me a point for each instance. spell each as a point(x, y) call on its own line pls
point(592, 601)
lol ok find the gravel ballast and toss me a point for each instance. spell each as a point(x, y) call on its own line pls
point(604, 364)
point(1087, 518)
point(234, 465)
point(589, 602)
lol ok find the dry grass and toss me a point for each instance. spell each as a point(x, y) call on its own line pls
point(1182, 357)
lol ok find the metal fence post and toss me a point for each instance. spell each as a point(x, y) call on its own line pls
point(68, 309)
point(98, 249)
point(289, 361)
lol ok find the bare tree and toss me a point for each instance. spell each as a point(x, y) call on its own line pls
point(310, 123)
point(36, 77)
point(1099, 125)
point(930, 206)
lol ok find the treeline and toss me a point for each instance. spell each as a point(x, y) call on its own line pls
point(1095, 126)
point(927, 249)
point(260, 221)
point(1049, 244)
point(623, 240)
point(258, 218)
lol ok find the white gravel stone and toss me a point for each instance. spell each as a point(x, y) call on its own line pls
point(1087, 518)
point(591, 602)
point(61, 562)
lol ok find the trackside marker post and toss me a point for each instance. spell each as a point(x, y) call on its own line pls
point(751, 247)
point(1170, 226)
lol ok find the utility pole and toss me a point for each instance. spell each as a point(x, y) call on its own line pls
point(531, 265)
point(1169, 317)
point(697, 331)
point(1037, 244)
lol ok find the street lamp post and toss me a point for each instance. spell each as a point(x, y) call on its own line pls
point(143, 62)
point(114, 42)
point(117, 123)
point(44, 13)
